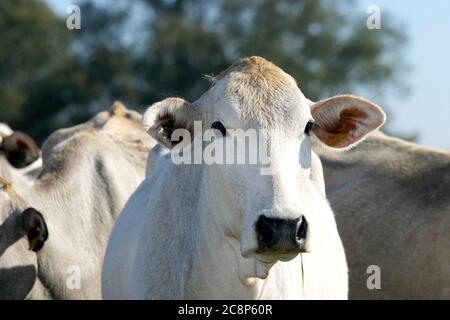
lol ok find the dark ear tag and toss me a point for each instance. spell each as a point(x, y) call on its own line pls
point(33, 224)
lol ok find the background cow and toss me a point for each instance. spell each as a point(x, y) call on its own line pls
point(65, 217)
point(225, 230)
point(392, 204)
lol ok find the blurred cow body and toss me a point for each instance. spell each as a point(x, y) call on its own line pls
point(88, 173)
point(225, 231)
point(391, 199)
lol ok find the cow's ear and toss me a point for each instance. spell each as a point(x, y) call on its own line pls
point(20, 149)
point(33, 225)
point(170, 121)
point(343, 121)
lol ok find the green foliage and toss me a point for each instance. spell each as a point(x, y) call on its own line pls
point(32, 47)
point(51, 77)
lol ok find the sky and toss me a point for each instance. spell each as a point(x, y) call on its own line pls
point(425, 110)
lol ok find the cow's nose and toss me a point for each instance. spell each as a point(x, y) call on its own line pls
point(281, 235)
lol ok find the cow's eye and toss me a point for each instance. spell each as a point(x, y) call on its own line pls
point(309, 126)
point(219, 126)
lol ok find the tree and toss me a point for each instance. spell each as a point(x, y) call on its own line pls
point(52, 77)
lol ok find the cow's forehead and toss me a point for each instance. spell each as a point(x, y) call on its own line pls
point(261, 93)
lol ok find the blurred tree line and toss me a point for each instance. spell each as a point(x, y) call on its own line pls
point(53, 77)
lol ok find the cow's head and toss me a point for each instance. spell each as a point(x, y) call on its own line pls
point(23, 232)
point(273, 214)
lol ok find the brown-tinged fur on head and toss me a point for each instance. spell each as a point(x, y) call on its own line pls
point(252, 65)
point(262, 90)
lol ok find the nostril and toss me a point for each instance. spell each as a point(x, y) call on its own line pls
point(265, 230)
point(301, 230)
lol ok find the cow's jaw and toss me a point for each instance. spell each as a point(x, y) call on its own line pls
point(250, 268)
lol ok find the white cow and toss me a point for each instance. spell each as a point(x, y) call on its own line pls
point(65, 218)
point(392, 205)
point(221, 231)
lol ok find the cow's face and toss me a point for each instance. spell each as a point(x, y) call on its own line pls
point(22, 234)
point(274, 208)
